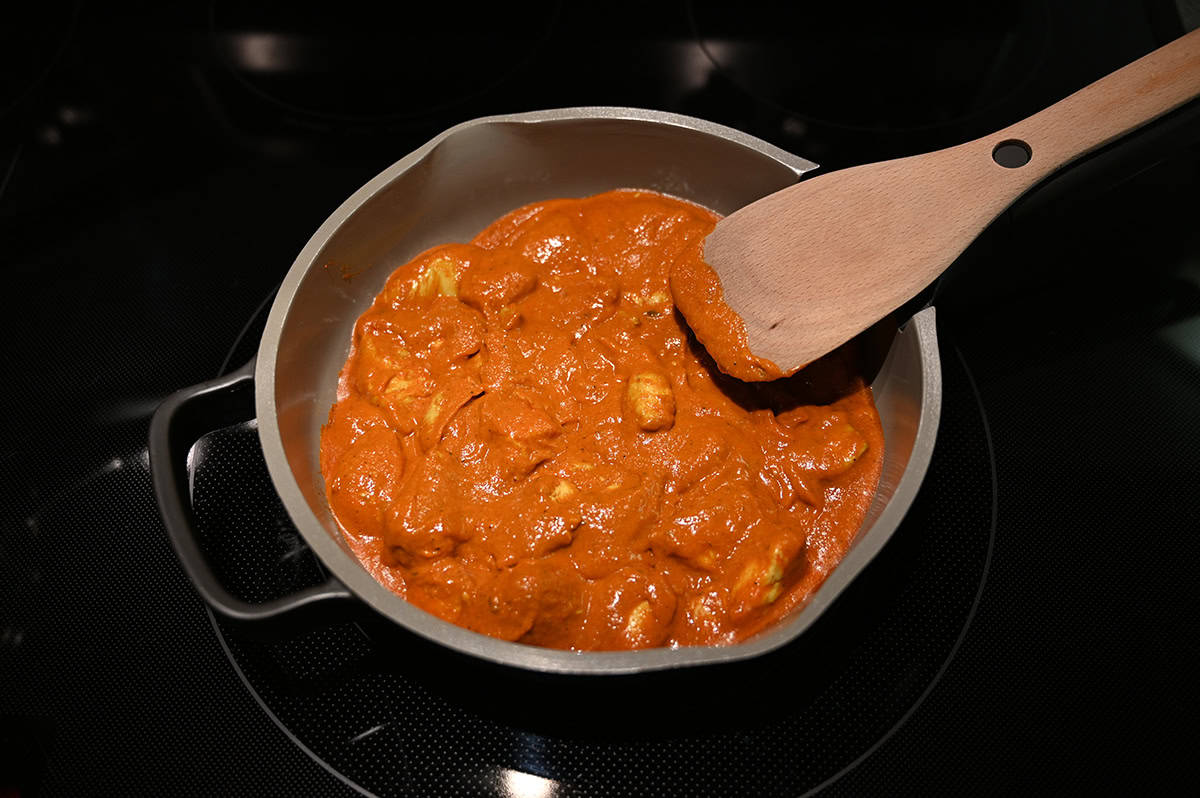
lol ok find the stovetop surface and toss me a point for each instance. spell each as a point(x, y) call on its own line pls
point(1025, 632)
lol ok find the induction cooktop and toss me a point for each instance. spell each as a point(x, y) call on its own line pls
point(1025, 631)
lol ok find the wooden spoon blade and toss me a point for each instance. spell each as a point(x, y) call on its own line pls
point(810, 267)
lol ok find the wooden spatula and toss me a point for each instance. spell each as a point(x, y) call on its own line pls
point(809, 267)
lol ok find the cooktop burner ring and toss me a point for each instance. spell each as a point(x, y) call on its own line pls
point(385, 720)
point(254, 60)
point(1015, 64)
point(974, 604)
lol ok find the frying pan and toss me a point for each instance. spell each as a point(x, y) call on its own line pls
point(448, 190)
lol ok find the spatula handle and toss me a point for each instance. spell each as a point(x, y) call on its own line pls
point(1112, 106)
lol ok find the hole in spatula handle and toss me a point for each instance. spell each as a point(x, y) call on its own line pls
point(1012, 153)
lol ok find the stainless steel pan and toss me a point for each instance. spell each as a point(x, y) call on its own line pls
point(448, 190)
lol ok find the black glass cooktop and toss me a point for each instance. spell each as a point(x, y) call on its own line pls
point(1026, 630)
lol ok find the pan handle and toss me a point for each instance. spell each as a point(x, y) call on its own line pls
point(179, 422)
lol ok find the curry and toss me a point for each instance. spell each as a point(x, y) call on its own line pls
point(529, 442)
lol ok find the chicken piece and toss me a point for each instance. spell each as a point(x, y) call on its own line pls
point(441, 331)
point(498, 281)
point(435, 272)
point(658, 303)
point(760, 581)
point(798, 460)
point(445, 586)
point(440, 278)
point(703, 619)
point(535, 602)
point(407, 386)
point(442, 407)
point(650, 401)
point(616, 521)
point(522, 430)
point(349, 420)
point(829, 444)
point(509, 318)
point(689, 456)
point(381, 354)
point(563, 491)
point(366, 479)
point(632, 608)
point(708, 522)
point(425, 521)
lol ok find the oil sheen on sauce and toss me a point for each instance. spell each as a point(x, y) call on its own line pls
point(529, 443)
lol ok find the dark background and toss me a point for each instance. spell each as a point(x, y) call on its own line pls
point(160, 168)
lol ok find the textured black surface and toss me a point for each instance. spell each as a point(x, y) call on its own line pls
point(150, 200)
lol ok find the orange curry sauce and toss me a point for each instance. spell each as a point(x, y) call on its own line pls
point(528, 443)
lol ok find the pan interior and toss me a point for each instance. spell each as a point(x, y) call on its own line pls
point(448, 191)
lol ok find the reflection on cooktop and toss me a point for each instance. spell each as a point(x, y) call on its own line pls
point(354, 61)
point(846, 66)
